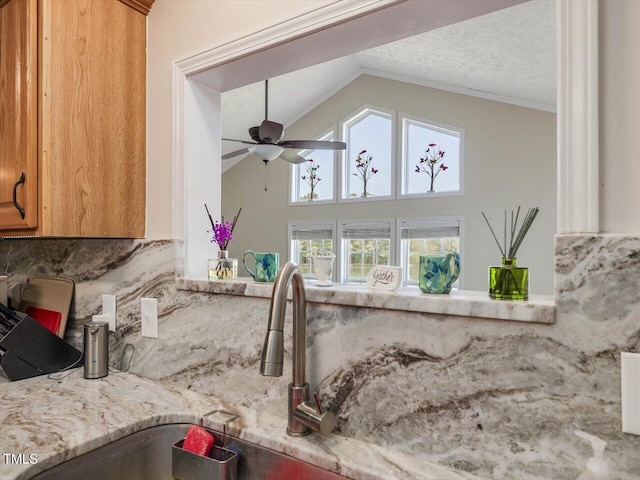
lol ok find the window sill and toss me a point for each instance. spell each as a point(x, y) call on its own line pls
point(465, 303)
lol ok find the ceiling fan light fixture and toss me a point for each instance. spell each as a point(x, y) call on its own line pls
point(266, 152)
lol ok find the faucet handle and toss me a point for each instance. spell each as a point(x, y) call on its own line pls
point(317, 400)
point(307, 414)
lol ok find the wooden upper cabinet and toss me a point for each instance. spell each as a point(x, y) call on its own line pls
point(18, 114)
point(89, 117)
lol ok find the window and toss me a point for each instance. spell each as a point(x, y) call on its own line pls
point(364, 244)
point(367, 166)
point(442, 161)
point(316, 174)
point(426, 236)
point(309, 239)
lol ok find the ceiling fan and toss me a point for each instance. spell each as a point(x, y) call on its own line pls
point(267, 141)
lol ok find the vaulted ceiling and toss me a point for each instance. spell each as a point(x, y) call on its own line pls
point(508, 55)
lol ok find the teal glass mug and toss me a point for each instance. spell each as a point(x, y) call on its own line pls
point(438, 274)
point(266, 266)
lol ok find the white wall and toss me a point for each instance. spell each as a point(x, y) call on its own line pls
point(619, 116)
point(176, 29)
point(510, 158)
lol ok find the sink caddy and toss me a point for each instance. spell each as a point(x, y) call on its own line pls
point(220, 464)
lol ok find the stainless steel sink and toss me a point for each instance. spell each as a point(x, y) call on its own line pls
point(146, 455)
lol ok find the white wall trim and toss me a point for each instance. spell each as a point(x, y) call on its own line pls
point(179, 208)
point(298, 26)
point(578, 126)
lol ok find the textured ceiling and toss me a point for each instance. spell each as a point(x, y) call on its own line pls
point(510, 53)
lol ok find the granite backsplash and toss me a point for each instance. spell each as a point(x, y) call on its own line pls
point(499, 399)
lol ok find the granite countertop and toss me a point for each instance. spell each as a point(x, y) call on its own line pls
point(61, 419)
point(467, 303)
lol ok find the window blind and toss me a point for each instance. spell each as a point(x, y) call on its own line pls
point(311, 232)
point(435, 229)
point(366, 231)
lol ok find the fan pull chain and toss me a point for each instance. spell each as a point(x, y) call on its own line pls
point(266, 174)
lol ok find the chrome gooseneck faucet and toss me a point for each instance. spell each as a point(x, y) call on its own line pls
point(304, 416)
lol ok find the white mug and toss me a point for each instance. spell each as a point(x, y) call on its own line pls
point(322, 266)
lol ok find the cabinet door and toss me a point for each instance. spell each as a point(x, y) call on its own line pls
point(18, 114)
point(93, 71)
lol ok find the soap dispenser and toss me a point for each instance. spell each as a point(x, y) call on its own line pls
point(598, 467)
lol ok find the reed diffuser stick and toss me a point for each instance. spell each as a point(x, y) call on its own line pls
point(516, 235)
point(494, 235)
point(210, 218)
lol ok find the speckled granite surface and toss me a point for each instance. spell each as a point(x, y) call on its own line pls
point(58, 420)
point(498, 399)
point(538, 309)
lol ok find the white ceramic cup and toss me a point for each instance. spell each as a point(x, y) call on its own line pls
point(322, 266)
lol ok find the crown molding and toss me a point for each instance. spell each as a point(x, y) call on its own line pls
point(461, 90)
point(303, 24)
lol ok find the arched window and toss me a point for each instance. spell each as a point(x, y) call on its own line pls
point(368, 166)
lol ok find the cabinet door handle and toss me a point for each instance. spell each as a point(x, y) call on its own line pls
point(15, 195)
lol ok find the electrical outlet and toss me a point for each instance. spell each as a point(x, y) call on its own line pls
point(630, 382)
point(149, 315)
point(109, 308)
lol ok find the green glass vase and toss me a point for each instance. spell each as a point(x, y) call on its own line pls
point(509, 282)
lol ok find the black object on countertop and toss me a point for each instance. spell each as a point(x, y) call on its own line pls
point(31, 349)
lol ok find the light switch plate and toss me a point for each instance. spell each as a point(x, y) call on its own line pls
point(149, 315)
point(109, 308)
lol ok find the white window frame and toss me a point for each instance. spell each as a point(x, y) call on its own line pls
point(358, 114)
point(403, 168)
point(293, 184)
point(401, 253)
point(342, 255)
point(320, 225)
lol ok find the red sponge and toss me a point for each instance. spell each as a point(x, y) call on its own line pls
point(198, 441)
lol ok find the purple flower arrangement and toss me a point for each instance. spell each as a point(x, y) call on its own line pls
point(432, 164)
point(364, 172)
point(222, 231)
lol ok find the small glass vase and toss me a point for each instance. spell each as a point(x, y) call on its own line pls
point(509, 282)
point(223, 267)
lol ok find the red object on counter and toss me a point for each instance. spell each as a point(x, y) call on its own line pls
point(198, 441)
point(46, 318)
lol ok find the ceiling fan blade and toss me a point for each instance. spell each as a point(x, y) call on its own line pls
point(240, 141)
point(313, 145)
point(292, 157)
point(235, 154)
point(271, 132)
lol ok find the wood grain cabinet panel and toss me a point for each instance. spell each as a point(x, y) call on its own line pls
point(90, 120)
point(18, 114)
